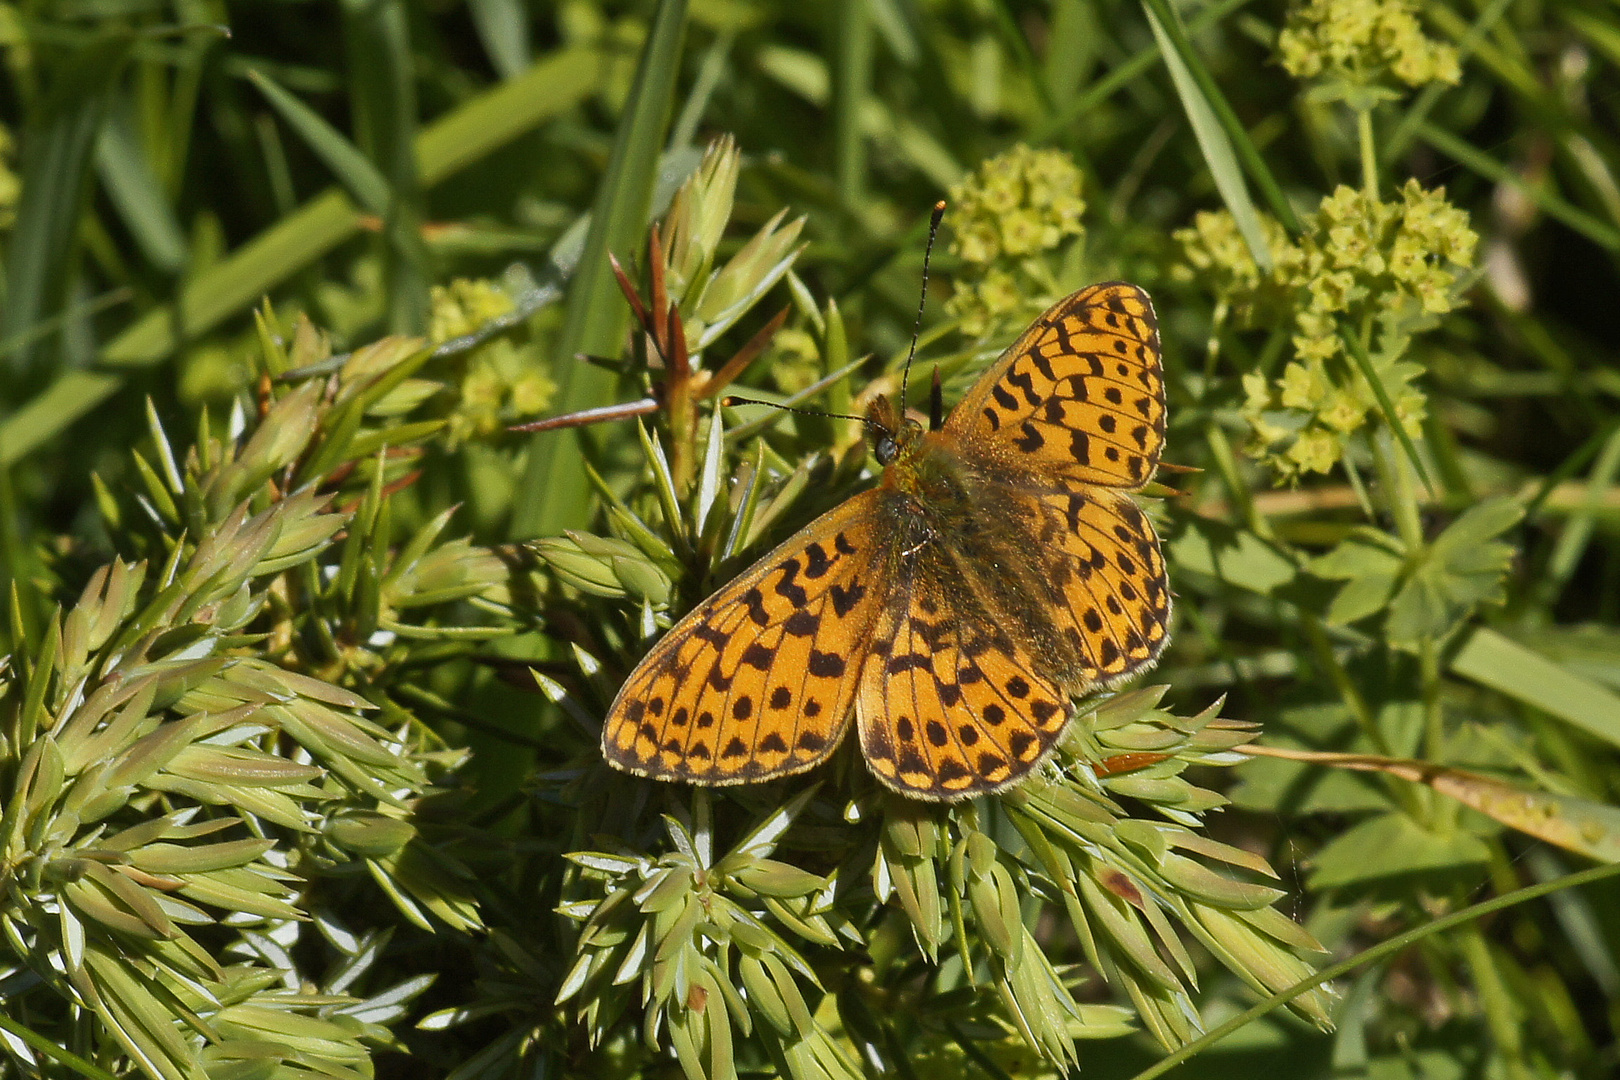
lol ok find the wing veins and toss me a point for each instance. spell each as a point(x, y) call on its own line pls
point(1013, 710)
point(1160, 617)
point(853, 663)
point(1102, 437)
point(1153, 422)
point(815, 606)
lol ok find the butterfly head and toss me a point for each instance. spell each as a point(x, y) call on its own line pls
point(891, 434)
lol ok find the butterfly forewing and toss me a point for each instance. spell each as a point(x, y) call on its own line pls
point(757, 682)
point(1080, 396)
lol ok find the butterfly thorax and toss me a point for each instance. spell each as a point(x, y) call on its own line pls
point(961, 520)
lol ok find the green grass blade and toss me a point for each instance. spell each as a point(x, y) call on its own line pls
point(235, 283)
point(1165, 20)
point(359, 177)
point(499, 115)
point(383, 98)
point(503, 30)
point(1496, 661)
point(136, 192)
point(551, 497)
point(1401, 139)
point(1012, 36)
point(59, 140)
point(70, 313)
point(1388, 947)
point(1133, 68)
point(1573, 539)
point(1595, 230)
point(50, 1049)
point(1215, 143)
point(712, 68)
point(853, 38)
point(1071, 48)
point(1358, 354)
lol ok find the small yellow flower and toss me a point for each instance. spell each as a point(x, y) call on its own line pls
point(995, 297)
point(464, 306)
point(1314, 451)
point(1303, 387)
point(1411, 408)
point(532, 393)
point(483, 386)
point(1017, 203)
point(977, 242)
point(1256, 392)
point(1344, 411)
point(1022, 233)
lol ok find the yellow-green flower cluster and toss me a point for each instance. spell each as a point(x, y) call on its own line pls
point(1018, 203)
point(501, 380)
point(1365, 255)
point(1216, 257)
point(1360, 43)
point(1385, 269)
point(1008, 212)
point(464, 306)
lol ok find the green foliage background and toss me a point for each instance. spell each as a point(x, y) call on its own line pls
point(308, 654)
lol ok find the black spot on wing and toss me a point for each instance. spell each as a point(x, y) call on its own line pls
point(711, 634)
point(816, 561)
point(788, 588)
point(844, 598)
point(826, 665)
point(1031, 440)
point(801, 623)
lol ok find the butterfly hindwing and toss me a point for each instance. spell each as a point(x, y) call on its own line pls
point(1104, 573)
point(1080, 396)
point(950, 705)
point(757, 681)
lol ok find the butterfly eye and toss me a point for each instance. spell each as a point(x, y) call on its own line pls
point(886, 450)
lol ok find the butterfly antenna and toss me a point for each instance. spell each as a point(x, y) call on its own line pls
point(922, 301)
point(731, 399)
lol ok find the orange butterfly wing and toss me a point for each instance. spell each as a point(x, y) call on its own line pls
point(1080, 396)
point(1105, 580)
point(1048, 581)
point(757, 681)
point(1075, 412)
point(950, 704)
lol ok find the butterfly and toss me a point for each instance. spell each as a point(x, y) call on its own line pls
point(998, 569)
